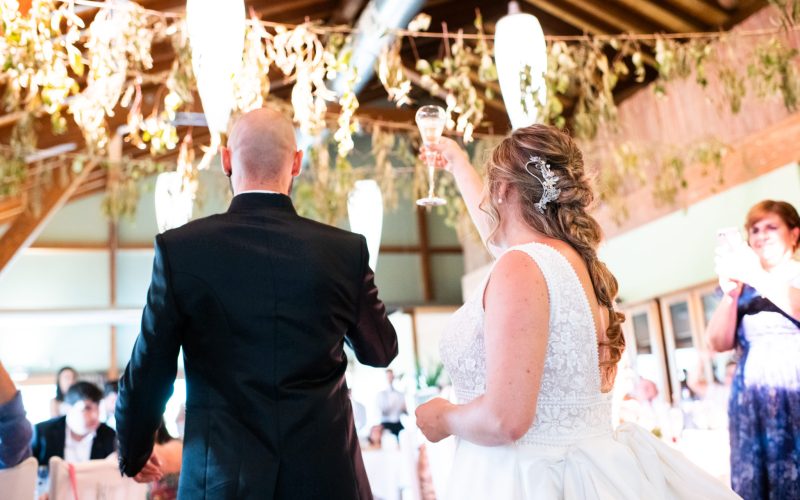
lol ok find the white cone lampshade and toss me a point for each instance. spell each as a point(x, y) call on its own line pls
point(365, 211)
point(173, 204)
point(519, 42)
point(216, 36)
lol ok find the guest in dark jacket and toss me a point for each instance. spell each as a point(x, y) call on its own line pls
point(78, 436)
point(15, 430)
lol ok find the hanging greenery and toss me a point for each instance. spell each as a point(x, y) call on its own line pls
point(392, 74)
point(774, 70)
point(45, 55)
point(789, 11)
point(122, 191)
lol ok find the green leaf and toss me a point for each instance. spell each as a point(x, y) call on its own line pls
point(75, 60)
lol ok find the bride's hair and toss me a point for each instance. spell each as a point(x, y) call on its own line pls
point(565, 217)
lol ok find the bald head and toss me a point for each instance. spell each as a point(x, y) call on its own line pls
point(261, 152)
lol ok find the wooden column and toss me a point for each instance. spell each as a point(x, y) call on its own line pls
point(424, 254)
point(114, 156)
point(113, 245)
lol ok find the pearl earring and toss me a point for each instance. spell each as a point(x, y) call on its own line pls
point(499, 201)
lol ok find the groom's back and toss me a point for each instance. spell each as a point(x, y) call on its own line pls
point(268, 298)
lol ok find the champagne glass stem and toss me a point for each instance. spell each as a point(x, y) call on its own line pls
point(431, 170)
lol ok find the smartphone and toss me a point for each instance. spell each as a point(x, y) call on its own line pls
point(729, 237)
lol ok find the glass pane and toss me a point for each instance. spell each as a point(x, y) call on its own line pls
point(681, 324)
point(641, 330)
point(710, 303)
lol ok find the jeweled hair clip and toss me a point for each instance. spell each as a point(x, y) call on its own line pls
point(548, 181)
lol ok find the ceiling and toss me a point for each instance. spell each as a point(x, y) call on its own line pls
point(557, 17)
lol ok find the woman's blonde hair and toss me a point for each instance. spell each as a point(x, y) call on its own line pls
point(565, 218)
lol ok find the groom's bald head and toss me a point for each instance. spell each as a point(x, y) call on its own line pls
point(261, 152)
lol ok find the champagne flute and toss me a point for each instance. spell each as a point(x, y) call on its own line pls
point(430, 120)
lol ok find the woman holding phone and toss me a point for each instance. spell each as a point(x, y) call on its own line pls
point(759, 316)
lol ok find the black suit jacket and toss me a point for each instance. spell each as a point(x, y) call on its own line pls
point(49, 437)
point(262, 302)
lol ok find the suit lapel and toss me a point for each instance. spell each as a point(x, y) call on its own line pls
point(97, 451)
point(100, 445)
point(56, 438)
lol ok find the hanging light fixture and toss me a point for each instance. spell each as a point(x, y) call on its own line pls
point(216, 37)
point(173, 203)
point(519, 42)
point(365, 211)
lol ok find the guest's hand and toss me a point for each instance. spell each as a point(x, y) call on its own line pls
point(449, 155)
point(737, 266)
point(151, 471)
point(431, 419)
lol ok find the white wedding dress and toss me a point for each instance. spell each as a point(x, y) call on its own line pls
point(571, 450)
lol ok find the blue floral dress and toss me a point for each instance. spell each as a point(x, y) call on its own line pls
point(764, 407)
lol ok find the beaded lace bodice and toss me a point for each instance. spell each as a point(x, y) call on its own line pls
point(571, 406)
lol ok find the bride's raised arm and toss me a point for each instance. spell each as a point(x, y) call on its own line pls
point(454, 159)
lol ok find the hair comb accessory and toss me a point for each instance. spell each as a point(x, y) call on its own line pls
point(548, 181)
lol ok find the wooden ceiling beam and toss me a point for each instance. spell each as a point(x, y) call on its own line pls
point(347, 11)
point(584, 24)
point(10, 208)
point(709, 13)
point(661, 15)
point(27, 226)
point(282, 11)
point(606, 13)
point(743, 10)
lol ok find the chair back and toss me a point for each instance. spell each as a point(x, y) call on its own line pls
point(92, 480)
point(409, 450)
point(19, 483)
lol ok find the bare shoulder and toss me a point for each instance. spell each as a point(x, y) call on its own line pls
point(516, 277)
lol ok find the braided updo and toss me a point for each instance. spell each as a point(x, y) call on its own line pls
point(566, 218)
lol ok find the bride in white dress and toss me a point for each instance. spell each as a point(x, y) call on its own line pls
point(532, 355)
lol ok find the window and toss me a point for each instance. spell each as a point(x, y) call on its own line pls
point(681, 324)
point(641, 330)
point(666, 338)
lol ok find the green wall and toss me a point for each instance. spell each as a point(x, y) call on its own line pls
point(677, 251)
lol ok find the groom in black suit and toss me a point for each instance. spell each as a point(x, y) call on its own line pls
point(262, 302)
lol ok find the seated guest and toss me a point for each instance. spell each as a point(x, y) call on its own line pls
point(64, 379)
point(78, 436)
point(169, 452)
point(15, 430)
point(375, 438)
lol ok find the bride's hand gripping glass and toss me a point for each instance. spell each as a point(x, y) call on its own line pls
point(431, 121)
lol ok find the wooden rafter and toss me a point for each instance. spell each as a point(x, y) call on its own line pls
point(27, 226)
point(347, 11)
point(281, 11)
point(582, 23)
point(661, 15)
point(10, 208)
point(709, 14)
point(607, 14)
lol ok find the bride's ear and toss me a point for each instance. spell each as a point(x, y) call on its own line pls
point(503, 191)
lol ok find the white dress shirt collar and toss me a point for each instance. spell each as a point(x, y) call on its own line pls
point(78, 451)
point(258, 191)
